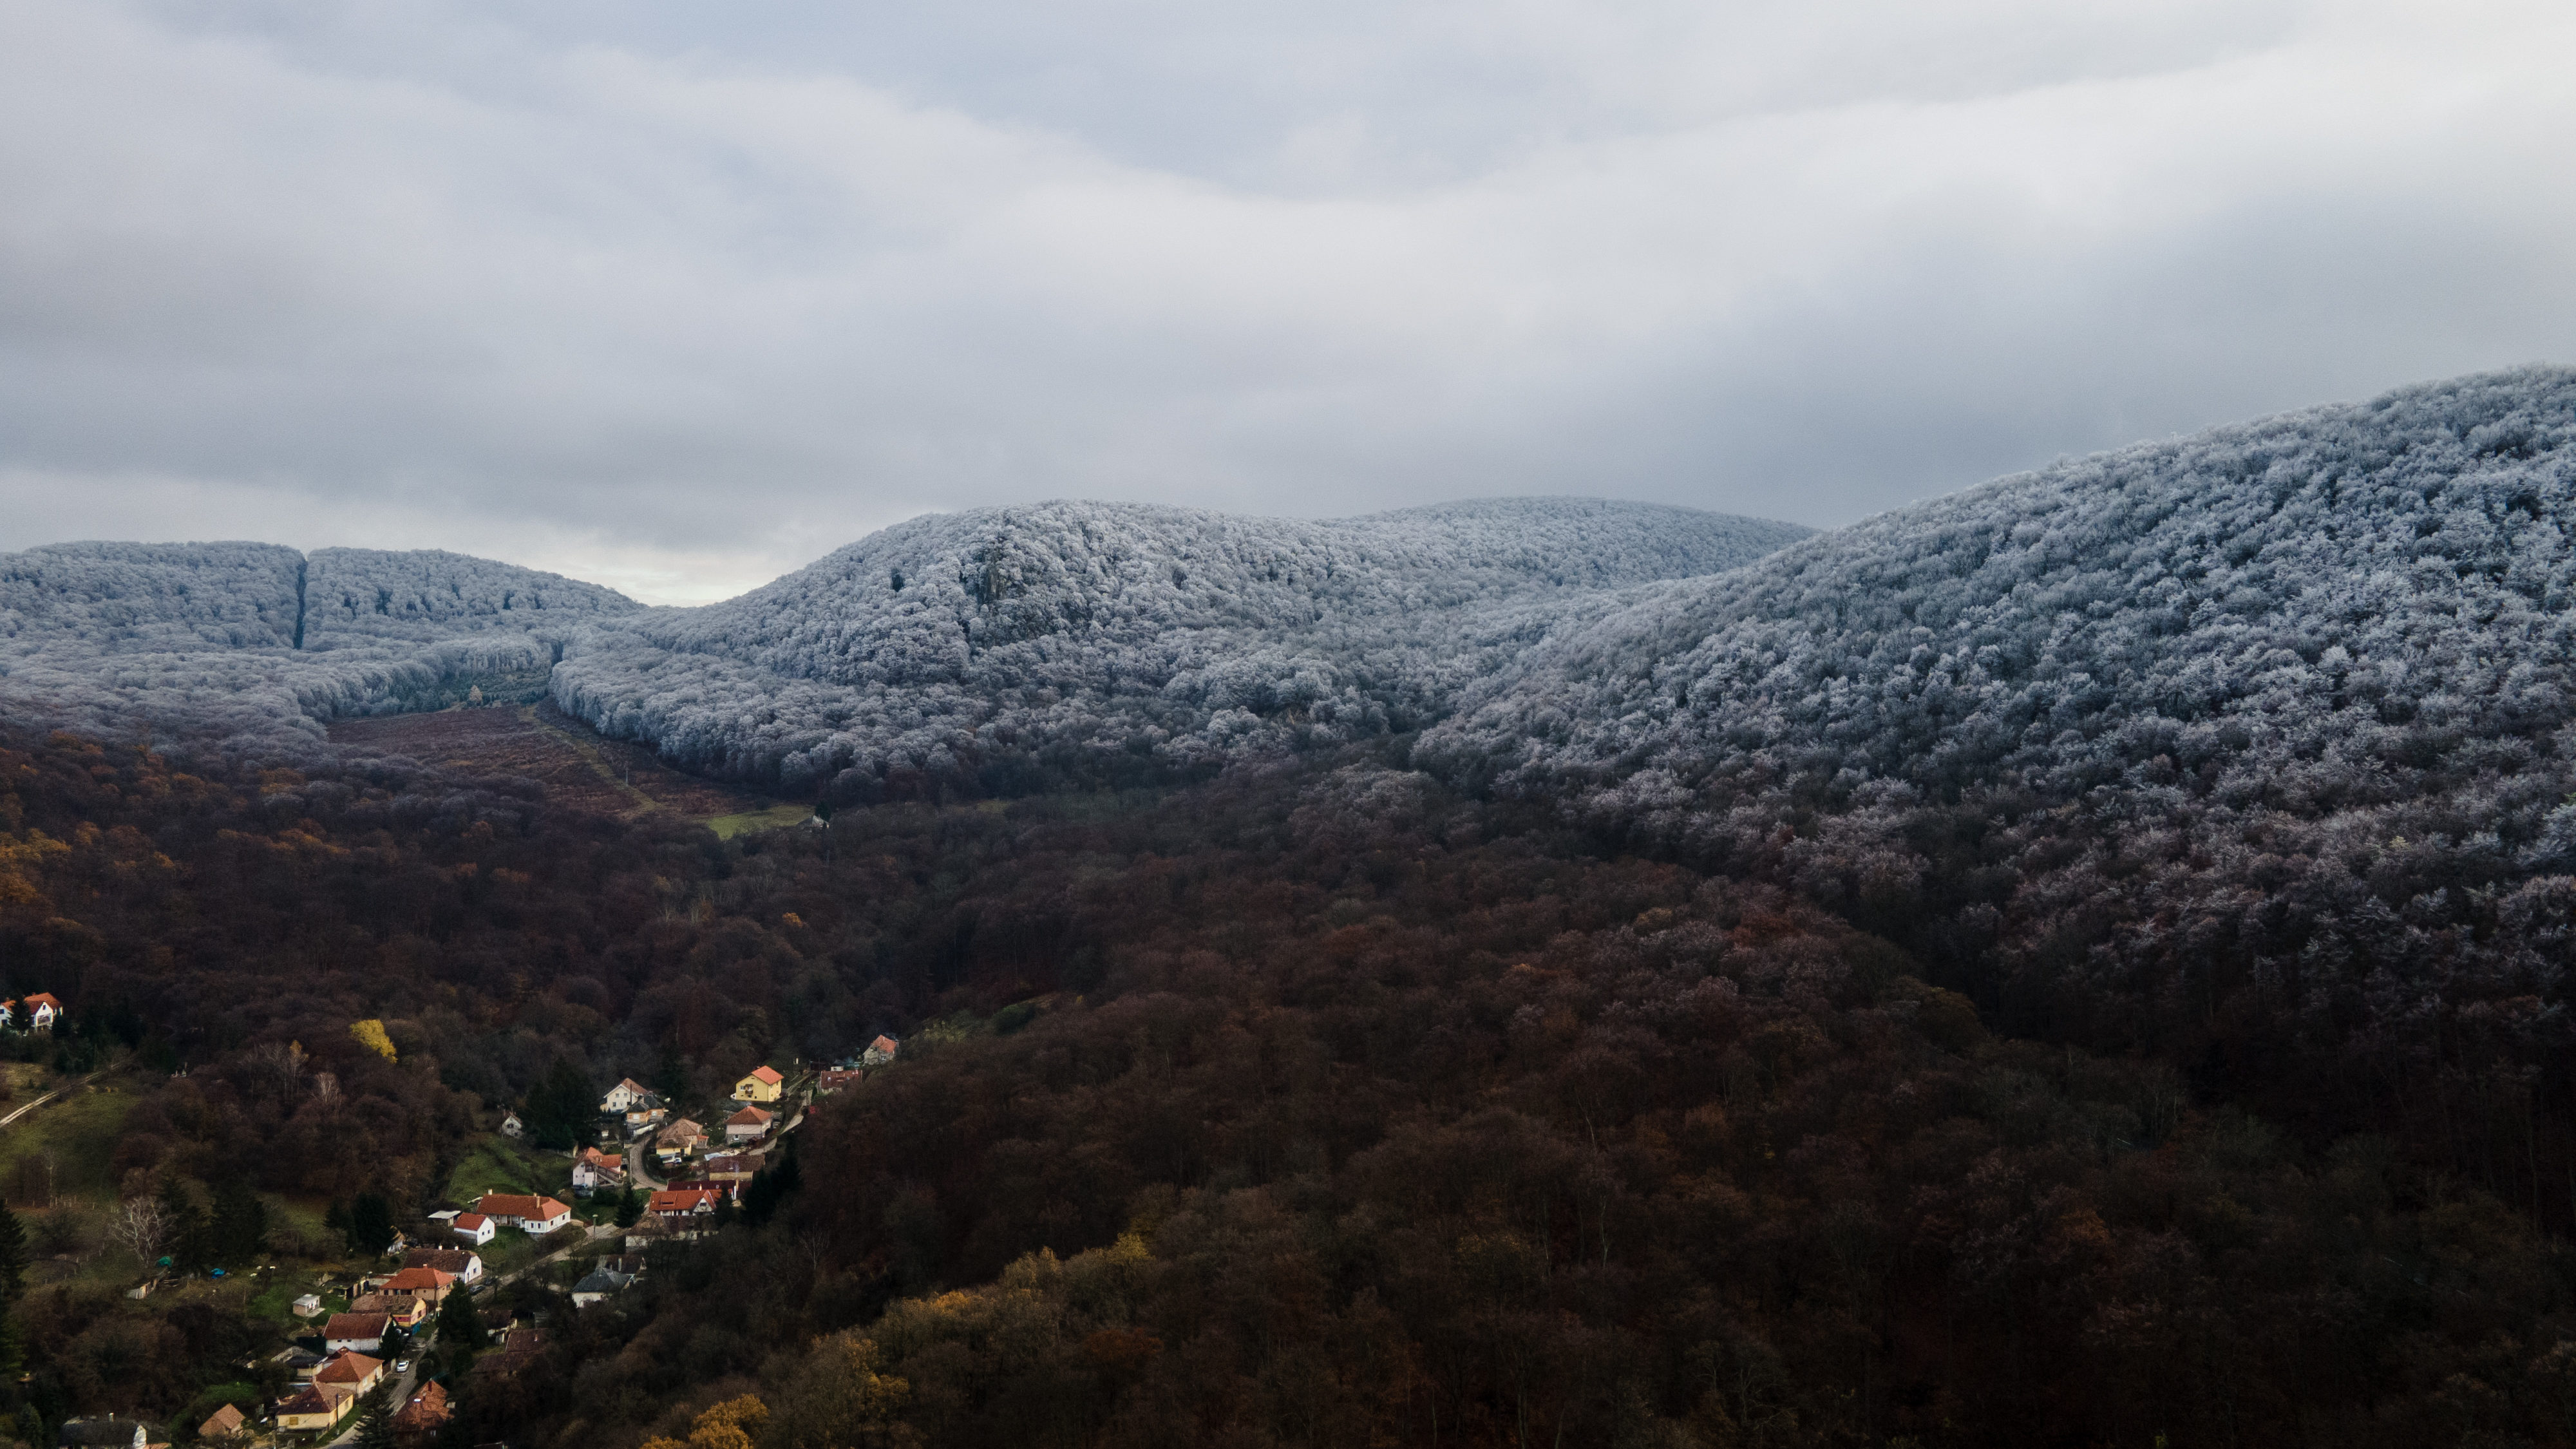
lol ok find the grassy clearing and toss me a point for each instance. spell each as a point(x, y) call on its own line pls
point(497, 1164)
point(775, 817)
point(77, 1135)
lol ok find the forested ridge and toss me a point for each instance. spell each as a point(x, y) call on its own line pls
point(2082, 962)
point(994, 651)
point(1313, 1103)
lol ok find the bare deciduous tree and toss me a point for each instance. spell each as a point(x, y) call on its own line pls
point(142, 1227)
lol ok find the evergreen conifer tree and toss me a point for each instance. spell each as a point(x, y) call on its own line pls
point(376, 1420)
point(371, 1224)
point(459, 1326)
point(188, 1238)
point(239, 1232)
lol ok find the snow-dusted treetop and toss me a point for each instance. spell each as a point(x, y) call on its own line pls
point(951, 642)
point(940, 646)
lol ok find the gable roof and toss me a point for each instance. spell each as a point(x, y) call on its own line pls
point(767, 1076)
point(355, 1325)
point(427, 1409)
point(471, 1222)
point(683, 1200)
point(518, 1205)
point(42, 998)
point(222, 1421)
point(412, 1280)
point(445, 1260)
point(347, 1368)
point(747, 1117)
point(885, 1043)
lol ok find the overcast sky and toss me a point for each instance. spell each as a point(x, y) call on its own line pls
point(677, 295)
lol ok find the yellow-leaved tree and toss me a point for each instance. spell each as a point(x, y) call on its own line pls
point(729, 1425)
point(371, 1035)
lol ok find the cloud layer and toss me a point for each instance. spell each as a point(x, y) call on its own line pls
point(677, 306)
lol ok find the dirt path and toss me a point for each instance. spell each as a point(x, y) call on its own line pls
point(49, 1096)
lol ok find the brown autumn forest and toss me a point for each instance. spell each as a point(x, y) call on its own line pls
point(1313, 1103)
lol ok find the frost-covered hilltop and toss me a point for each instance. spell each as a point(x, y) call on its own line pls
point(1014, 645)
point(2284, 711)
point(246, 638)
point(1004, 648)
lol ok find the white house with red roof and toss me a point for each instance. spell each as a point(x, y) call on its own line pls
point(626, 1096)
point(880, 1052)
point(597, 1171)
point(37, 1013)
point(534, 1215)
point(474, 1228)
point(748, 1125)
point(681, 1205)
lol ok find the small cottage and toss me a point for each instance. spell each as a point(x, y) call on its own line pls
point(748, 1125)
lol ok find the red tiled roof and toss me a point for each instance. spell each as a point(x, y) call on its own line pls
point(412, 1280)
point(348, 1367)
point(355, 1325)
point(516, 1205)
point(768, 1076)
point(682, 1200)
point(471, 1221)
point(747, 1117)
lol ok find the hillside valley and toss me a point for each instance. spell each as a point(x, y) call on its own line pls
point(2078, 962)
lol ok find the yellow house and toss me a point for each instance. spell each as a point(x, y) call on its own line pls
point(318, 1407)
point(763, 1085)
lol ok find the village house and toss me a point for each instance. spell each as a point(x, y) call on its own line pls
point(421, 1418)
point(597, 1171)
point(763, 1085)
point(512, 1127)
point(422, 1285)
point(833, 1079)
point(682, 1207)
point(399, 1311)
point(517, 1349)
point(37, 1013)
point(880, 1052)
point(363, 1332)
point(312, 1409)
point(223, 1423)
point(535, 1216)
point(468, 1267)
point(603, 1284)
point(748, 1125)
point(122, 1433)
point(647, 1117)
point(353, 1372)
point(728, 1168)
point(625, 1097)
point(309, 1306)
point(679, 1140)
point(474, 1228)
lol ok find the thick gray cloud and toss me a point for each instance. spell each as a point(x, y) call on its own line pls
point(675, 296)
